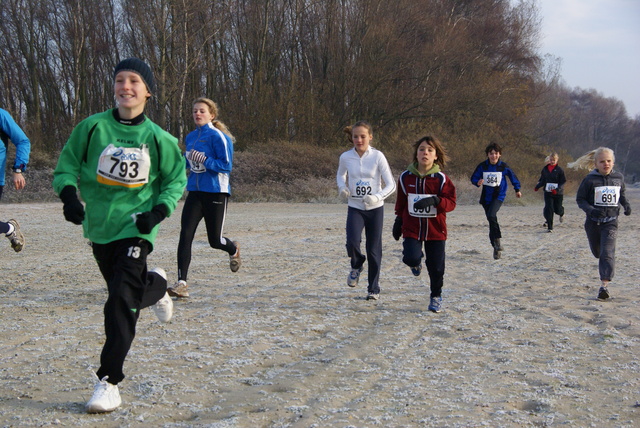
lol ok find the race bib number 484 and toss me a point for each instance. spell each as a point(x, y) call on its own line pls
point(124, 166)
point(606, 196)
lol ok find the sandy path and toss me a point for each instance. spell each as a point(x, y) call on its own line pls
point(284, 342)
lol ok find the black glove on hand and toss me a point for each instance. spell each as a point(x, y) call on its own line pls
point(429, 201)
point(73, 209)
point(627, 210)
point(397, 228)
point(146, 221)
point(597, 213)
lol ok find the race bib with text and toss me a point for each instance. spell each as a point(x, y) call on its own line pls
point(606, 196)
point(412, 198)
point(124, 166)
point(491, 179)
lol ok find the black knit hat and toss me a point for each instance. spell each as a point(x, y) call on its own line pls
point(140, 67)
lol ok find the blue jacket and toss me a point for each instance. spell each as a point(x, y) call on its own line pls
point(9, 130)
point(213, 175)
point(500, 192)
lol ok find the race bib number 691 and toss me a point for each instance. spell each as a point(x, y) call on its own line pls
point(606, 196)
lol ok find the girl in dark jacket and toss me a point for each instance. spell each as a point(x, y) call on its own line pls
point(425, 195)
point(552, 179)
point(600, 196)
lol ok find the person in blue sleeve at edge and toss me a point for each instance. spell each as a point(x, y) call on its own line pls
point(131, 175)
point(9, 130)
point(491, 176)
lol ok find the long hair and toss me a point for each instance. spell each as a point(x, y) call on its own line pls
point(441, 154)
point(213, 109)
point(348, 129)
point(588, 160)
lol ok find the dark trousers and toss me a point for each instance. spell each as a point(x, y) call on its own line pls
point(434, 253)
point(371, 221)
point(213, 208)
point(602, 242)
point(123, 265)
point(552, 205)
point(491, 211)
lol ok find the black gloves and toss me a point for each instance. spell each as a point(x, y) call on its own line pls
point(73, 209)
point(627, 210)
point(597, 213)
point(146, 221)
point(397, 228)
point(429, 201)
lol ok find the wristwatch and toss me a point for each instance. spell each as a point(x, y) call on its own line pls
point(17, 170)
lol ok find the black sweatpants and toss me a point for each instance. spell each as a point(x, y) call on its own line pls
point(213, 208)
point(434, 253)
point(602, 242)
point(552, 205)
point(491, 211)
point(123, 265)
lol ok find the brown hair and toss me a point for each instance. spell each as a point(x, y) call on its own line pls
point(493, 146)
point(348, 129)
point(213, 109)
point(433, 141)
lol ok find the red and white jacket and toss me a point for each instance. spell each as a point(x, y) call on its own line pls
point(421, 228)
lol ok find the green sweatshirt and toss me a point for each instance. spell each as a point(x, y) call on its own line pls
point(121, 170)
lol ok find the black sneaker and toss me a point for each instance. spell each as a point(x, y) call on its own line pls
point(496, 253)
point(603, 293)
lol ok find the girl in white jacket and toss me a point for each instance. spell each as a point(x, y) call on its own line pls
point(365, 180)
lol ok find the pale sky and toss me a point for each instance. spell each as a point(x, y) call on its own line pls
point(599, 43)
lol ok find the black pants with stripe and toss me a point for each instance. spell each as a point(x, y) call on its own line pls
point(123, 265)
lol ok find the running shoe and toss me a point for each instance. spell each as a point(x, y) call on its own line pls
point(496, 253)
point(180, 289)
point(163, 307)
point(416, 270)
point(549, 230)
point(603, 293)
point(16, 237)
point(354, 277)
point(561, 218)
point(106, 397)
point(234, 261)
point(545, 224)
point(373, 296)
point(436, 304)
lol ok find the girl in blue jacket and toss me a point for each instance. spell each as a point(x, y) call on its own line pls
point(491, 176)
point(209, 153)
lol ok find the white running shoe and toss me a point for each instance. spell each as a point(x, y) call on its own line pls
point(164, 307)
point(106, 397)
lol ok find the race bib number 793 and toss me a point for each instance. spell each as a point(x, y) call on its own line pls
point(124, 166)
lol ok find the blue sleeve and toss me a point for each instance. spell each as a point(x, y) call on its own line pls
point(514, 180)
point(476, 176)
point(17, 137)
point(222, 159)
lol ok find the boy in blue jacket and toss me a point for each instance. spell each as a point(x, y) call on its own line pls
point(490, 175)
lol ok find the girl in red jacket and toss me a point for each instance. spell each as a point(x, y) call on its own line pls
point(425, 196)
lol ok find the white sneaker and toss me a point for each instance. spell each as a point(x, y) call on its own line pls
point(106, 397)
point(163, 307)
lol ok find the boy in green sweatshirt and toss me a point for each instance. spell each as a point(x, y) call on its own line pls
point(131, 175)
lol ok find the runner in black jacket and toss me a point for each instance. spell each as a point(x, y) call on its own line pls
point(552, 179)
point(600, 196)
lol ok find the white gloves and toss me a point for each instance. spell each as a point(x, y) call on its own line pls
point(196, 156)
point(371, 200)
point(344, 194)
